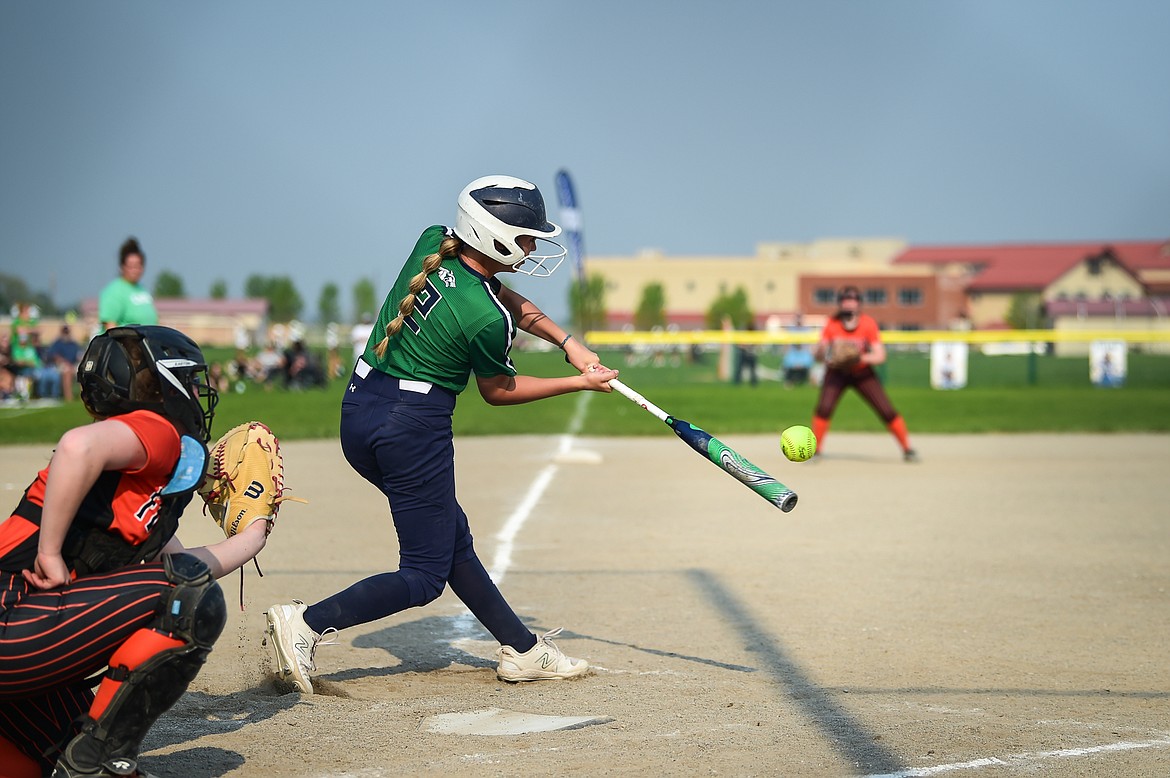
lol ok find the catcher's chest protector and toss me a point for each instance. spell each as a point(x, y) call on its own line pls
point(92, 549)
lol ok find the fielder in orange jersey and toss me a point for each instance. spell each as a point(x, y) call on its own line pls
point(95, 589)
point(850, 346)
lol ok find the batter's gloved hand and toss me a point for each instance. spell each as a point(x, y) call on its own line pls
point(245, 478)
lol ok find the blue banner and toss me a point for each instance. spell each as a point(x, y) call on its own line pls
point(571, 223)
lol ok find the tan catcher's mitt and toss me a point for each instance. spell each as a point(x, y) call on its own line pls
point(843, 354)
point(245, 478)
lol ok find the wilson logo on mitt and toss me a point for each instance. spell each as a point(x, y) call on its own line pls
point(245, 478)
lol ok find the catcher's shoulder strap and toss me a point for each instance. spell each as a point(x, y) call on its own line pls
point(94, 549)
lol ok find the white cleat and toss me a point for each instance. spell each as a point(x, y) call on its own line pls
point(294, 643)
point(542, 662)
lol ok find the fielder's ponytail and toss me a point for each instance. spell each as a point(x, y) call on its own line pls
point(447, 249)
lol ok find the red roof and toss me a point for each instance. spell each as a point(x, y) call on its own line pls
point(1037, 265)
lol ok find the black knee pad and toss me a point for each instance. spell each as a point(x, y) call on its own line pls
point(195, 610)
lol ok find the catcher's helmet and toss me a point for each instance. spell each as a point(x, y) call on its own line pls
point(176, 385)
point(496, 210)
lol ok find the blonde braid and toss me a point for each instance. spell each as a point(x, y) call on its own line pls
point(448, 248)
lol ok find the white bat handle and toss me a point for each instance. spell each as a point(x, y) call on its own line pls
point(638, 399)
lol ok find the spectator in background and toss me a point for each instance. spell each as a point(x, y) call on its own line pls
point(798, 361)
point(269, 364)
point(24, 319)
point(332, 357)
point(301, 370)
point(360, 335)
point(746, 359)
point(7, 371)
point(26, 364)
point(240, 369)
point(797, 365)
point(63, 354)
point(45, 376)
point(125, 300)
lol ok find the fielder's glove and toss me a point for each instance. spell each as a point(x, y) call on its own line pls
point(843, 355)
point(245, 478)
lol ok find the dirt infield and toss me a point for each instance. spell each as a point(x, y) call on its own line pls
point(1000, 608)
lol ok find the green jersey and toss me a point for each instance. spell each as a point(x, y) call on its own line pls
point(125, 303)
point(459, 325)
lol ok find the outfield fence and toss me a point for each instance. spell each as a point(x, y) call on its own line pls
point(1052, 357)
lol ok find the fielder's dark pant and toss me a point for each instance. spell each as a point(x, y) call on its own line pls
point(397, 435)
point(867, 384)
point(52, 642)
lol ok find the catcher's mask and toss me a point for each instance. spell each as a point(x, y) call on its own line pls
point(848, 293)
point(848, 316)
point(494, 211)
point(148, 368)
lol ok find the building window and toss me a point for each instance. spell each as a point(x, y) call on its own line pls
point(825, 296)
point(910, 296)
point(875, 296)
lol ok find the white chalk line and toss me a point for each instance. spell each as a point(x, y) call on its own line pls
point(1028, 756)
point(506, 537)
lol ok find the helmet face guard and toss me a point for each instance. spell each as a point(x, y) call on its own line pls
point(176, 385)
point(495, 211)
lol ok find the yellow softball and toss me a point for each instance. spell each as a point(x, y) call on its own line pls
point(798, 443)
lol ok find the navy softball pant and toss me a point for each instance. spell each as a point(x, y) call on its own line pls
point(397, 435)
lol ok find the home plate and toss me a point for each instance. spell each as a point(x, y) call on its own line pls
point(493, 721)
point(577, 456)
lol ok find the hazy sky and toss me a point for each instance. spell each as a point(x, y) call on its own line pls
point(319, 139)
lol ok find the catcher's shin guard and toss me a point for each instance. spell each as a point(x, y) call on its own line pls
point(152, 669)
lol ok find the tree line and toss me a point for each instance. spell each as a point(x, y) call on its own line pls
point(588, 310)
point(586, 300)
point(285, 302)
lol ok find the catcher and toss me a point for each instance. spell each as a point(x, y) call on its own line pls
point(93, 582)
point(850, 346)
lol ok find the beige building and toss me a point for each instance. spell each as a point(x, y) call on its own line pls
point(207, 322)
point(904, 288)
point(771, 278)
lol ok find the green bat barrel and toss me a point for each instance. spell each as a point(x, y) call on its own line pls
point(734, 463)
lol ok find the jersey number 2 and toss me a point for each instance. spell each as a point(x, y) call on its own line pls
point(424, 302)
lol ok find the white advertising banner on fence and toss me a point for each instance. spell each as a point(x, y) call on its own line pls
point(948, 364)
point(1107, 362)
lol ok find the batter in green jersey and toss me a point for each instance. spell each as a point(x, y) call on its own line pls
point(446, 318)
point(458, 326)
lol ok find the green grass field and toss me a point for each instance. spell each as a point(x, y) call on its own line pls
point(1000, 398)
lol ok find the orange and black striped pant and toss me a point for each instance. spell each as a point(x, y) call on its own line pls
point(867, 384)
point(52, 643)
